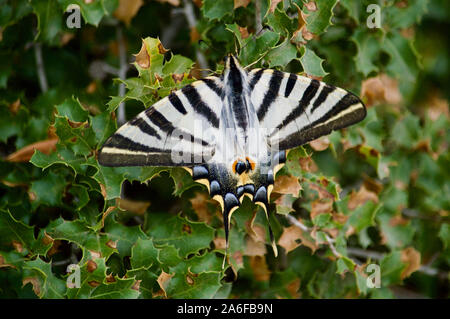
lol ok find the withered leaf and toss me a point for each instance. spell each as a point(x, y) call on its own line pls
point(142, 58)
point(127, 9)
point(260, 269)
point(25, 153)
point(411, 258)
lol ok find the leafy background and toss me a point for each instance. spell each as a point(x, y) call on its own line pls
point(373, 193)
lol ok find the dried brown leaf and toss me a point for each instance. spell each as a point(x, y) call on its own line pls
point(293, 288)
point(260, 269)
point(14, 106)
point(293, 236)
point(137, 207)
point(244, 32)
point(25, 153)
point(273, 5)
point(411, 258)
point(381, 89)
point(241, 3)
point(34, 282)
point(254, 247)
point(320, 144)
point(361, 197)
point(287, 184)
point(202, 205)
point(307, 164)
point(175, 3)
point(311, 6)
point(219, 243)
point(163, 281)
point(91, 265)
point(322, 192)
point(142, 58)
point(321, 206)
point(127, 9)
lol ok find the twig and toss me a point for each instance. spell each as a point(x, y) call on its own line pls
point(123, 67)
point(40, 67)
point(169, 32)
point(192, 22)
point(258, 20)
point(300, 225)
point(369, 254)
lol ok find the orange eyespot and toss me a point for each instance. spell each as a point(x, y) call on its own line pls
point(251, 163)
point(234, 166)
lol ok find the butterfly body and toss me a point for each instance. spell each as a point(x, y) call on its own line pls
point(233, 132)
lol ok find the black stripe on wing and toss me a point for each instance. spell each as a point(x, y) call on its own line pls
point(213, 86)
point(118, 141)
point(326, 90)
point(176, 102)
point(290, 84)
point(144, 127)
point(165, 125)
point(318, 128)
point(255, 79)
point(199, 105)
point(308, 95)
point(271, 94)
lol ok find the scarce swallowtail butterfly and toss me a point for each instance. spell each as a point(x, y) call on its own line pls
point(232, 132)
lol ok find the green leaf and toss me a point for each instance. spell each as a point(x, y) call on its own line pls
point(49, 19)
point(195, 278)
point(16, 234)
point(92, 11)
point(92, 273)
point(120, 288)
point(312, 64)
point(364, 216)
point(189, 237)
point(45, 283)
point(49, 189)
point(77, 232)
point(177, 65)
point(369, 47)
point(280, 22)
point(217, 9)
point(404, 17)
point(391, 268)
point(62, 156)
point(72, 109)
point(143, 253)
point(403, 63)
point(282, 54)
point(444, 235)
point(124, 236)
point(318, 21)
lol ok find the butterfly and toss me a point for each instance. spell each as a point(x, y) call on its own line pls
point(232, 132)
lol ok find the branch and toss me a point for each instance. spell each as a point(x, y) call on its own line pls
point(40, 67)
point(123, 67)
point(258, 21)
point(188, 11)
point(300, 225)
point(369, 254)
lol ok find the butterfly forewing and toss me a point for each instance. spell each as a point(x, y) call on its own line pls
point(180, 129)
point(295, 109)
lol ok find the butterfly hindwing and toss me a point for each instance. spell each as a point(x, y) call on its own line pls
point(180, 129)
point(295, 109)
